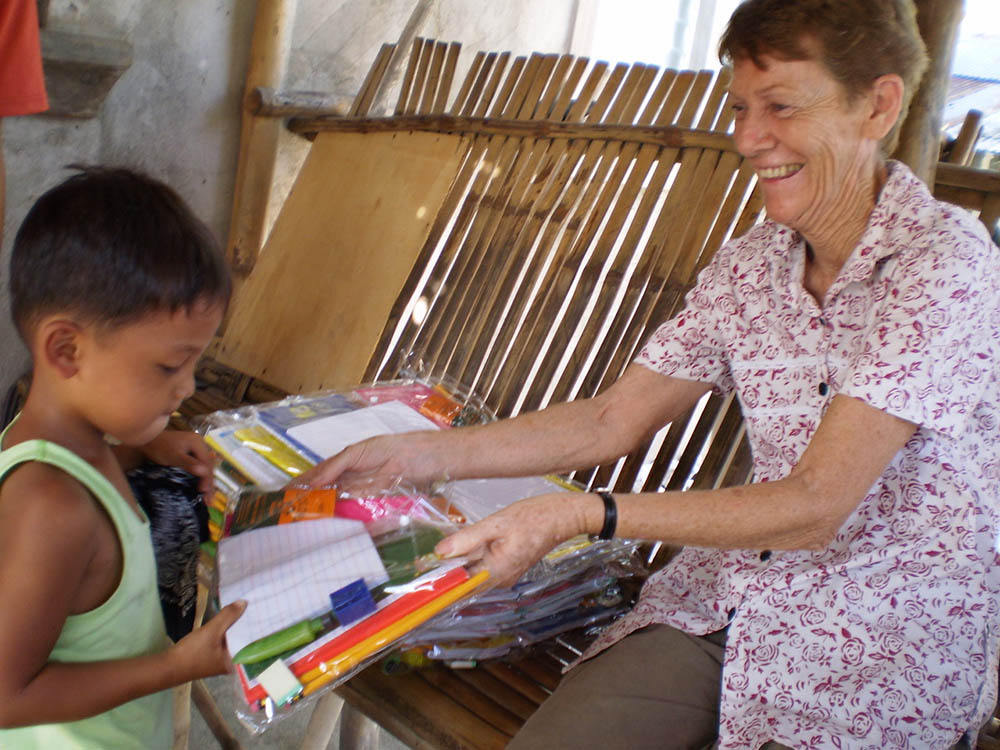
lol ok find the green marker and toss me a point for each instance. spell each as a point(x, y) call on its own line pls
point(288, 639)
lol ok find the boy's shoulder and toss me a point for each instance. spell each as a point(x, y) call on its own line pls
point(36, 496)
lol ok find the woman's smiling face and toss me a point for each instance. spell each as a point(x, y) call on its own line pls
point(812, 147)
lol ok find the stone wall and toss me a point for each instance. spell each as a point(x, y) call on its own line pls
point(175, 112)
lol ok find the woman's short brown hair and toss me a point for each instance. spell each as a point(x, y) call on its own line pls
point(858, 41)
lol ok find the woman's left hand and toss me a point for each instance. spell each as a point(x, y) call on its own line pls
point(184, 450)
point(510, 541)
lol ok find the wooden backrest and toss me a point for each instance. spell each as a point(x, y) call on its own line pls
point(975, 189)
point(524, 235)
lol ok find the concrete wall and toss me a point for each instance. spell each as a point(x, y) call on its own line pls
point(175, 112)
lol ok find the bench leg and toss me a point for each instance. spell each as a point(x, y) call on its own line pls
point(322, 722)
point(357, 731)
point(213, 717)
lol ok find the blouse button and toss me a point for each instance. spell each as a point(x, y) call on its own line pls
point(823, 389)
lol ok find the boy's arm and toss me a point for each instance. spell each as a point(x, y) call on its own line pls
point(47, 531)
point(179, 448)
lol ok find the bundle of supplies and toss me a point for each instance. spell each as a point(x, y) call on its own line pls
point(336, 579)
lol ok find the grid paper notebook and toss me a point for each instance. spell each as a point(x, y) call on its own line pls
point(287, 572)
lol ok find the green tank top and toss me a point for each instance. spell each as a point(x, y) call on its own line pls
point(129, 623)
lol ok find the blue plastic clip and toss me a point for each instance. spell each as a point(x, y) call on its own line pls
point(352, 602)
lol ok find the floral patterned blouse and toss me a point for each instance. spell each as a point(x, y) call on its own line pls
point(888, 638)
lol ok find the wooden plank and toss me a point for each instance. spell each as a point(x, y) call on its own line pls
point(515, 247)
point(983, 180)
point(310, 316)
point(434, 75)
point(476, 73)
point(597, 185)
point(490, 190)
point(542, 672)
point(499, 691)
point(558, 209)
point(419, 714)
point(420, 76)
point(447, 76)
point(964, 147)
point(481, 81)
point(407, 83)
point(370, 86)
point(475, 702)
point(558, 185)
point(652, 106)
point(509, 674)
point(481, 289)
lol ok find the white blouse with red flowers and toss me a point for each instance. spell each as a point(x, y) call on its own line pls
point(887, 638)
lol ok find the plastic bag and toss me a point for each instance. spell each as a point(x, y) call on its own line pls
point(359, 566)
point(327, 594)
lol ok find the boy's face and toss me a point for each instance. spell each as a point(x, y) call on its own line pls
point(131, 379)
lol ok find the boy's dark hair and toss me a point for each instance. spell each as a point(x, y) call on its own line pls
point(112, 245)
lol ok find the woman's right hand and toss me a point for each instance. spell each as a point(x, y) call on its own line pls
point(378, 460)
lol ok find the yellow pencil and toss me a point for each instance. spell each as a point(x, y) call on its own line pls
point(326, 672)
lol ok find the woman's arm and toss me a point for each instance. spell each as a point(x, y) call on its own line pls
point(562, 437)
point(47, 530)
point(849, 451)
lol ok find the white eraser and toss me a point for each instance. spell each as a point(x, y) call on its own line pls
point(280, 683)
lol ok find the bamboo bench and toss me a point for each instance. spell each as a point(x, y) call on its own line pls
point(524, 232)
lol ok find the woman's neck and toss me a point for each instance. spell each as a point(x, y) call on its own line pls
point(830, 244)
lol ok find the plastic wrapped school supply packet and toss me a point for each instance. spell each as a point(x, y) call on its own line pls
point(287, 551)
point(267, 445)
point(581, 583)
point(328, 593)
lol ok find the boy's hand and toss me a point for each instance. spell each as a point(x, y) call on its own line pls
point(184, 450)
point(202, 652)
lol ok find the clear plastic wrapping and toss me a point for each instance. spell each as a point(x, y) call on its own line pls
point(336, 579)
point(327, 593)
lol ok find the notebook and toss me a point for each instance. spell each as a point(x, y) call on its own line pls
point(287, 572)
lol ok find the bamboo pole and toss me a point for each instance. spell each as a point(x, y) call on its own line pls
point(920, 136)
point(266, 102)
point(269, 48)
point(673, 137)
point(964, 147)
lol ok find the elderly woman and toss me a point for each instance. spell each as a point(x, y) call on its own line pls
point(849, 597)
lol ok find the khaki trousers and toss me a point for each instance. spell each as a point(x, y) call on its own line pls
point(659, 688)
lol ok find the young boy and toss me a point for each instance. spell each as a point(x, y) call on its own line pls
point(116, 288)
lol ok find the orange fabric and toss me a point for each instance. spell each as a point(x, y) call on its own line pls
point(22, 86)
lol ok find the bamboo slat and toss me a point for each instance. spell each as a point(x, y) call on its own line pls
point(586, 203)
